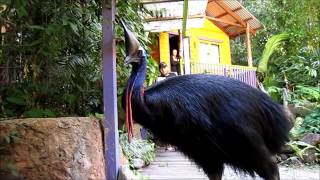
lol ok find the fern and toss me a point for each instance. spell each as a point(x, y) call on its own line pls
point(311, 123)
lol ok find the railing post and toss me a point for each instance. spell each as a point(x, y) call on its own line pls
point(248, 44)
point(110, 92)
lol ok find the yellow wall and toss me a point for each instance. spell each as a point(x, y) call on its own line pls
point(213, 35)
point(164, 47)
point(208, 34)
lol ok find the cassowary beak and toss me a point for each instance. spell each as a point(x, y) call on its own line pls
point(132, 46)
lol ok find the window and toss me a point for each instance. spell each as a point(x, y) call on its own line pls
point(209, 53)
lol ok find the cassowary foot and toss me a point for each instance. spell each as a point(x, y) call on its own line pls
point(269, 171)
point(215, 177)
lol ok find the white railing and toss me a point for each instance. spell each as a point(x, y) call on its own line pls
point(242, 73)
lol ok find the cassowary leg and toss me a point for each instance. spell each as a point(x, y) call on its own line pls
point(216, 174)
point(215, 177)
point(268, 169)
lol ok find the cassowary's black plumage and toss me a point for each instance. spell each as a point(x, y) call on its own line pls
point(214, 120)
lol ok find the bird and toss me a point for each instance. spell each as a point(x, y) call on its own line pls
point(214, 120)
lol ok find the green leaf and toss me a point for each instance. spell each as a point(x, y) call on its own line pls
point(7, 139)
point(34, 113)
point(36, 27)
point(48, 113)
point(16, 100)
point(39, 113)
point(271, 46)
point(74, 28)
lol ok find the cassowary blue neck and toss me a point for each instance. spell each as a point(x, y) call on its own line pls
point(137, 78)
point(134, 93)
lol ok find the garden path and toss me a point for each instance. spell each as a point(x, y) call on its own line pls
point(169, 165)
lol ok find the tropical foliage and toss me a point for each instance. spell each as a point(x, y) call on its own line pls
point(299, 54)
point(50, 63)
point(54, 49)
point(310, 123)
point(137, 149)
point(272, 44)
point(287, 54)
point(287, 49)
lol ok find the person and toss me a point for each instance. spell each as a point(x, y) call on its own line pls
point(164, 72)
point(175, 62)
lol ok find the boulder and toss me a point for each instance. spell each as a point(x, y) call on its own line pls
point(310, 156)
point(292, 161)
point(311, 138)
point(123, 158)
point(51, 148)
point(301, 111)
point(286, 149)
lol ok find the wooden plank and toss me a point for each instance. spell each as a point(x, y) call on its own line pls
point(248, 19)
point(158, 1)
point(171, 18)
point(226, 13)
point(185, 17)
point(224, 21)
point(221, 15)
point(227, 26)
point(248, 44)
point(110, 91)
point(234, 15)
point(210, 39)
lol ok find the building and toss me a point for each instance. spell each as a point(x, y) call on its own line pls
point(211, 24)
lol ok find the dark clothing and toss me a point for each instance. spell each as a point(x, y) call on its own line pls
point(175, 65)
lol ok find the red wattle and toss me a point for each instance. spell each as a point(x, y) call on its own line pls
point(128, 112)
point(130, 116)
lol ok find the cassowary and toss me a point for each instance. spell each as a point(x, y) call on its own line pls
point(214, 120)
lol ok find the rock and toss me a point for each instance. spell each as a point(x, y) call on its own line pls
point(283, 157)
point(123, 159)
point(299, 110)
point(310, 156)
point(293, 161)
point(125, 173)
point(136, 130)
point(137, 163)
point(286, 149)
point(311, 138)
point(51, 148)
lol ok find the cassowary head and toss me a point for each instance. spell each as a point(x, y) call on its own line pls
point(134, 51)
point(136, 56)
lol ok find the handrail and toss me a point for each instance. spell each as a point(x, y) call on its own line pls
point(241, 73)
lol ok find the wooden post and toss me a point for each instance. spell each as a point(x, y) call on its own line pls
point(110, 91)
point(248, 43)
point(186, 55)
point(185, 17)
point(181, 54)
point(183, 35)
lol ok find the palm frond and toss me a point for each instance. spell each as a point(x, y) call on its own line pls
point(272, 44)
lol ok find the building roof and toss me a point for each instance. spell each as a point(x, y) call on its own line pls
point(232, 17)
point(167, 15)
point(229, 15)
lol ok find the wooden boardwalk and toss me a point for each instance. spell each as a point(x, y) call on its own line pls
point(175, 166)
point(169, 165)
